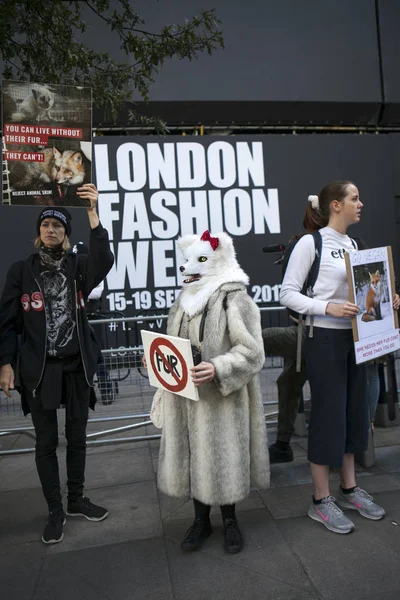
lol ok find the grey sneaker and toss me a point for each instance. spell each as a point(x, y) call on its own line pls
point(330, 515)
point(360, 500)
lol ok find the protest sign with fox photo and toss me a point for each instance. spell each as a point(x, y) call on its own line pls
point(370, 277)
point(47, 149)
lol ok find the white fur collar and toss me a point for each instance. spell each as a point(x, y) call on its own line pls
point(193, 301)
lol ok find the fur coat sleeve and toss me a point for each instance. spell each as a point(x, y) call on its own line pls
point(235, 368)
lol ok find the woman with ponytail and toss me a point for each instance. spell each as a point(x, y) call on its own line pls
point(339, 419)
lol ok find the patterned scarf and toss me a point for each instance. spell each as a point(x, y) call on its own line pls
point(52, 258)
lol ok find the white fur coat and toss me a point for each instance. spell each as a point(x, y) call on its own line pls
point(216, 449)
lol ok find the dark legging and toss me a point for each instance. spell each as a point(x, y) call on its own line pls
point(339, 420)
point(202, 511)
point(46, 429)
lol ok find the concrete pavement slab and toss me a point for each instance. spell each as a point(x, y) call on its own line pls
point(298, 450)
point(134, 570)
point(266, 556)
point(20, 568)
point(9, 442)
point(390, 500)
point(175, 508)
point(118, 468)
point(380, 483)
point(388, 459)
point(23, 441)
point(386, 436)
point(287, 502)
point(19, 472)
point(363, 472)
point(360, 565)
point(134, 514)
point(106, 448)
point(287, 556)
point(201, 575)
point(303, 442)
point(23, 516)
point(155, 464)
point(294, 473)
point(154, 448)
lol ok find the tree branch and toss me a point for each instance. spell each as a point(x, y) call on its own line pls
point(43, 39)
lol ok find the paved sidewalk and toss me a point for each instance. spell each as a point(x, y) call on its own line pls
point(135, 553)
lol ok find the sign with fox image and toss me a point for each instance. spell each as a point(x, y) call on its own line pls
point(47, 143)
point(371, 282)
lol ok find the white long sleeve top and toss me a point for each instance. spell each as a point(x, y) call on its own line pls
point(331, 284)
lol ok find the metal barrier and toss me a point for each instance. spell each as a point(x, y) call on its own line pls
point(124, 394)
point(122, 388)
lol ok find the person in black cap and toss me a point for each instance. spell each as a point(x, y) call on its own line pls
point(45, 331)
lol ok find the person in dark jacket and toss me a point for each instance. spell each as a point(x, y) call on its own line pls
point(49, 351)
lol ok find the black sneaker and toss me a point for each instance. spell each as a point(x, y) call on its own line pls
point(53, 532)
point(233, 539)
point(196, 534)
point(277, 455)
point(84, 508)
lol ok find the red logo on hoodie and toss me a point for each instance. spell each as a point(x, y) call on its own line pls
point(36, 302)
point(26, 302)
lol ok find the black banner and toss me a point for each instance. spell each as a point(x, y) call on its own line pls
point(153, 189)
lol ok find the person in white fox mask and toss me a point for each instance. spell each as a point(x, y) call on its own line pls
point(215, 450)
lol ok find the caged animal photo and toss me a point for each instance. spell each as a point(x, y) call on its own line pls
point(47, 104)
point(35, 107)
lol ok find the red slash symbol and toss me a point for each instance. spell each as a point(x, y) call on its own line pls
point(169, 363)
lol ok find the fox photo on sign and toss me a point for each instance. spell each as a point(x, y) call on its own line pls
point(47, 143)
point(169, 360)
point(371, 282)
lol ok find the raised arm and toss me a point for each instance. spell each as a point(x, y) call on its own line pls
point(88, 191)
point(98, 263)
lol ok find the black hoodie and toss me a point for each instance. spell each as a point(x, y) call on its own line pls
point(22, 311)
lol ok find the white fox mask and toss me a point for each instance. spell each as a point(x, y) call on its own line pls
point(210, 261)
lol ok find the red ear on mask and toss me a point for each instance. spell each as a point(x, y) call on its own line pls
point(214, 241)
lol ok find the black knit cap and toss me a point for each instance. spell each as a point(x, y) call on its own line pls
point(61, 214)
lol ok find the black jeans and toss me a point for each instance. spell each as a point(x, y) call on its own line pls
point(46, 428)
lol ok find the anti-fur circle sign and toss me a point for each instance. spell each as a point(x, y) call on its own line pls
point(174, 364)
